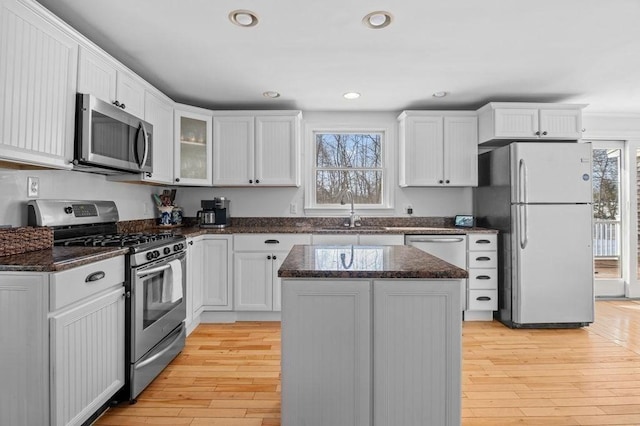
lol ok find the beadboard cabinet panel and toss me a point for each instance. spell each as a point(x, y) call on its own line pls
point(37, 89)
point(233, 150)
point(277, 150)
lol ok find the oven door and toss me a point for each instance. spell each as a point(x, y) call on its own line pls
point(154, 314)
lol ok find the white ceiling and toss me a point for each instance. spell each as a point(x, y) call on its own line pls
point(578, 51)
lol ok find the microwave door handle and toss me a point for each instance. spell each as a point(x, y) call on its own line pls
point(146, 145)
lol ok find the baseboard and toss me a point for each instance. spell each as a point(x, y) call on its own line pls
point(477, 316)
point(208, 317)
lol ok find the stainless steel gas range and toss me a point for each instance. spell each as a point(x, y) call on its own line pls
point(155, 281)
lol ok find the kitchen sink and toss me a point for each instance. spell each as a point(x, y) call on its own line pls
point(349, 229)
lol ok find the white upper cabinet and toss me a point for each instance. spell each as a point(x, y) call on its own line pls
point(192, 154)
point(100, 76)
point(37, 87)
point(256, 148)
point(501, 121)
point(159, 112)
point(438, 148)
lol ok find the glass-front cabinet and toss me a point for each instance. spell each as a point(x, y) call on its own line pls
point(193, 146)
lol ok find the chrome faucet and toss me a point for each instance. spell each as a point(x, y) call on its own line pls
point(353, 218)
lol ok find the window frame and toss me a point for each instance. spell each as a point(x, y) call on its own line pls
point(386, 206)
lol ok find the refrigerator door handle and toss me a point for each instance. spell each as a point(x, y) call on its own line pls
point(523, 225)
point(522, 181)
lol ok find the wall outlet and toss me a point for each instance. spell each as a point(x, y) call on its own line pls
point(293, 208)
point(33, 187)
point(409, 210)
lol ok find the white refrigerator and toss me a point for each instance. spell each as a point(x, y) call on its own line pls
point(539, 196)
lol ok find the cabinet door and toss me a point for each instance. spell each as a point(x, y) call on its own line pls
point(24, 342)
point(423, 151)
point(461, 151)
point(87, 357)
point(560, 123)
point(130, 93)
point(326, 346)
point(192, 155)
point(159, 113)
point(277, 150)
point(96, 75)
point(195, 278)
point(37, 89)
point(411, 350)
point(233, 151)
point(253, 287)
point(516, 123)
point(381, 240)
point(216, 273)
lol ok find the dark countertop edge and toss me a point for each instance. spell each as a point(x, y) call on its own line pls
point(190, 232)
point(389, 275)
point(50, 264)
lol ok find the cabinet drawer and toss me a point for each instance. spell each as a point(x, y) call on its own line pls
point(483, 259)
point(269, 242)
point(482, 300)
point(483, 279)
point(75, 284)
point(335, 239)
point(483, 242)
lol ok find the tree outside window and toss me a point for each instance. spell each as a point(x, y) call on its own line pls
point(349, 161)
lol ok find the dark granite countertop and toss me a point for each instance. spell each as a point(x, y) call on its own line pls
point(193, 231)
point(309, 261)
point(58, 258)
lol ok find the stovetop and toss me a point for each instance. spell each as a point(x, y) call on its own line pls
point(118, 240)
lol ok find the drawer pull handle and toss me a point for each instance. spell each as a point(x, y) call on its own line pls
point(483, 242)
point(483, 277)
point(483, 258)
point(95, 276)
point(272, 242)
point(483, 298)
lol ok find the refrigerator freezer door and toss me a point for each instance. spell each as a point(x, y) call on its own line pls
point(550, 172)
point(552, 277)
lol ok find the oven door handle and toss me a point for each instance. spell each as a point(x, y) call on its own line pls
point(152, 270)
point(159, 354)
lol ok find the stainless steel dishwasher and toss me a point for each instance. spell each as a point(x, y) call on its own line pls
point(450, 248)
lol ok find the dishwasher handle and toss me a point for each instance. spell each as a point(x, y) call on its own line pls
point(436, 240)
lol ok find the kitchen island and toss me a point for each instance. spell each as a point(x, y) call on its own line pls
point(371, 335)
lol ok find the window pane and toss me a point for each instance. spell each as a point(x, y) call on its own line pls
point(606, 213)
point(366, 186)
point(348, 150)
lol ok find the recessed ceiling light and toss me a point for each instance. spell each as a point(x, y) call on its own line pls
point(351, 95)
point(439, 94)
point(378, 19)
point(243, 18)
point(271, 94)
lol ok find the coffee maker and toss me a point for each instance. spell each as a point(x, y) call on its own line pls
point(214, 213)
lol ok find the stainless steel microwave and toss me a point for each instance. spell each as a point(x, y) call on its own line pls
point(109, 140)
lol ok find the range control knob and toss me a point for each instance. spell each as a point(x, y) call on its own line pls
point(156, 254)
point(176, 247)
point(167, 250)
point(149, 256)
point(68, 210)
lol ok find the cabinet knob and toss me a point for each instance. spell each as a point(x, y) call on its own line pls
point(122, 106)
point(447, 181)
point(116, 103)
point(257, 180)
point(177, 179)
point(250, 180)
point(269, 257)
point(274, 257)
point(149, 175)
point(190, 243)
point(538, 133)
point(440, 181)
point(544, 133)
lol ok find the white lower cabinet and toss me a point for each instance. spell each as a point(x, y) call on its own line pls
point(482, 285)
point(359, 239)
point(63, 356)
point(257, 258)
point(216, 252)
point(363, 352)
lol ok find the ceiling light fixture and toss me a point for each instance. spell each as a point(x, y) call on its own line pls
point(378, 19)
point(351, 95)
point(439, 94)
point(243, 18)
point(271, 94)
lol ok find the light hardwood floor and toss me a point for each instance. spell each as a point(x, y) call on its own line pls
point(228, 375)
